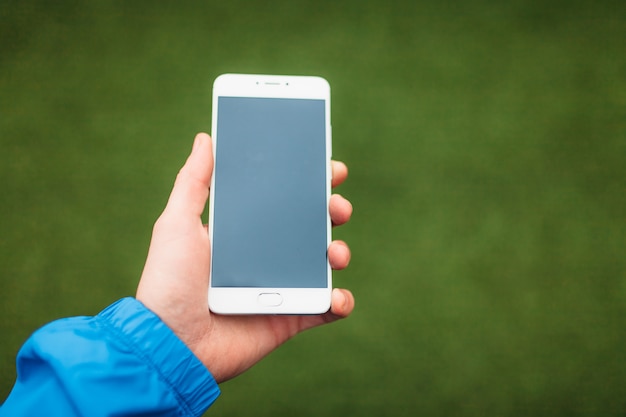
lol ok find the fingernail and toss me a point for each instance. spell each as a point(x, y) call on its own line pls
point(340, 300)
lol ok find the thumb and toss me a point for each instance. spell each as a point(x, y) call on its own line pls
point(191, 189)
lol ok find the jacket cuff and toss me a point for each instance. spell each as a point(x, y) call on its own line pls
point(155, 344)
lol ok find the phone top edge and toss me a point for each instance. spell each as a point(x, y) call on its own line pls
point(261, 85)
point(271, 77)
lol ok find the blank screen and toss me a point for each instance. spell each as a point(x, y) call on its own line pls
point(270, 210)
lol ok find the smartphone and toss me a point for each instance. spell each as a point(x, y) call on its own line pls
point(269, 223)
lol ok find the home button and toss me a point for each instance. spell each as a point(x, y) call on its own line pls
point(270, 299)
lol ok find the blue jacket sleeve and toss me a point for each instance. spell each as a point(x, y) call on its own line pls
point(123, 362)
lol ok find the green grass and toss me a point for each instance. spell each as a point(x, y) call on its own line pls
point(486, 143)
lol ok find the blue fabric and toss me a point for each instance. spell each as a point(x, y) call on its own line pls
point(123, 362)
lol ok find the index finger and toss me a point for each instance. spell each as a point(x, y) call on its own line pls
point(340, 172)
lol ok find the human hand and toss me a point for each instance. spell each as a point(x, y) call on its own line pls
point(174, 283)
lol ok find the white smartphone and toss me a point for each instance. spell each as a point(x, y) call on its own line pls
point(268, 213)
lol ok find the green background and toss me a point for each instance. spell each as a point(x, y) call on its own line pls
point(486, 142)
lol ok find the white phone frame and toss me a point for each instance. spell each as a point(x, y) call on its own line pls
point(261, 300)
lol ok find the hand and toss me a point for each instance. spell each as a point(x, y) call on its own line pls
point(174, 283)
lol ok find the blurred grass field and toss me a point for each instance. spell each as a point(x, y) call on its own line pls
point(487, 150)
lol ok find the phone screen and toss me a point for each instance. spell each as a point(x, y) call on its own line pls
point(270, 198)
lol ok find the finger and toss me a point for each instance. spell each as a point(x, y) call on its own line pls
point(339, 254)
point(340, 209)
point(340, 173)
point(341, 306)
point(191, 189)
